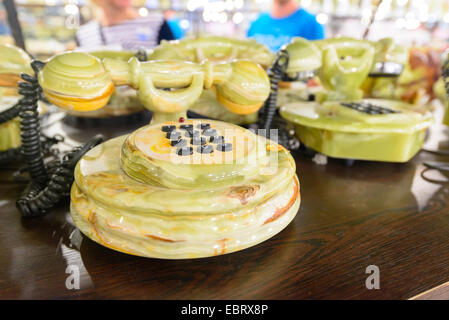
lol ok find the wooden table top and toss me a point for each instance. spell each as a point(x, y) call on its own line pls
point(394, 216)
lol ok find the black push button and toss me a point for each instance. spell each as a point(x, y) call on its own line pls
point(203, 126)
point(178, 143)
point(192, 133)
point(184, 151)
point(205, 149)
point(224, 147)
point(196, 141)
point(168, 128)
point(173, 135)
point(186, 126)
point(216, 139)
point(210, 132)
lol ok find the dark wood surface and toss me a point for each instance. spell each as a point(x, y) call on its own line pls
point(394, 216)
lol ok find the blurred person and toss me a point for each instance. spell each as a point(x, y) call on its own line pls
point(174, 24)
point(4, 28)
point(119, 26)
point(285, 21)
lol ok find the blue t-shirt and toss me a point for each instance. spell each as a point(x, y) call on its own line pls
point(276, 32)
point(178, 33)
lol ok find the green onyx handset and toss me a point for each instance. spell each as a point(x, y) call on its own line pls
point(82, 82)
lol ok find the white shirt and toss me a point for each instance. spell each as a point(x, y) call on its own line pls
point(128, 35)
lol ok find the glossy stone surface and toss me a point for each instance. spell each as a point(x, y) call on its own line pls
point(343, 64)
point(246, 90)
point(76, 81)
point(9, 130)
point(248, 87)
point(13, 61)
point(342, 132)
point(80, 82)
point(213, 48)
point(217, 204)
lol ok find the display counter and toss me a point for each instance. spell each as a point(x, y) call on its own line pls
point(393, 216)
